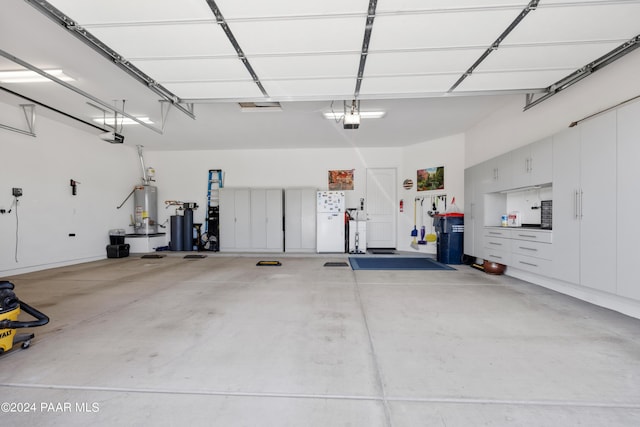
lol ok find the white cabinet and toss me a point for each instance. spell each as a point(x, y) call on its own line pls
point(266, 219)
point(584, 197)
point(473, 212)
point(525, 249)
point(532, 251)
point(532, 164)
point(300, 219)
point(235, 223)
point(566, 223)
point(497, 245)
point(628, 202)
point(251, 219)
point(597, 202)
point(497, 173)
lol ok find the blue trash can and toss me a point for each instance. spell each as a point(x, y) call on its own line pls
point(450, 232)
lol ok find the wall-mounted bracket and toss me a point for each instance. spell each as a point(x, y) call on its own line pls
point(29, 111)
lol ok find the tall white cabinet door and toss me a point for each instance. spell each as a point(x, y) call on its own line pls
point(300, 219)
point(566, 221)
point(227, 219)
point(292, 222)
point(234, 219)
point(469, 205)
point(598, 202)
point(242, 218)
point(473, 210)
point(266, 219)
point(308, 219)
point(258, 218)
point(273, 226)
point(628, 200)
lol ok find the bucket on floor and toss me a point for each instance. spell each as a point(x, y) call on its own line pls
point(10, 307)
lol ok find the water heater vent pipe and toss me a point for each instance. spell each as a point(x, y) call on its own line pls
point(145, 177)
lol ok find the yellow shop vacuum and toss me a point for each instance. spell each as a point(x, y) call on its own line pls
point(10, 307)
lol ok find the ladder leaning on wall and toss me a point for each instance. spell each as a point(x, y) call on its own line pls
point(211, 237)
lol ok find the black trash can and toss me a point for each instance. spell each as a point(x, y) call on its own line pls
point(117, 248)
point(116, 236)
point(450, 231)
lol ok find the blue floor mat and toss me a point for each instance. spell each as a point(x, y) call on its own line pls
point(396, 263)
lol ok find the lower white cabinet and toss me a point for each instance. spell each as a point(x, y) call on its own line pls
point(251, 219)
point(526, 249)
point(497, 246)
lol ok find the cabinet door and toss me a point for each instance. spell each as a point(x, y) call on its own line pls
point(469, 212)
point(242, 218)
point(308, 219)
point(273, 215)
point(227, 219)
point(598, 202)
point(541, 162)
point(520, 160)
point(628, 201)
point(566, 223)
point(258, 218)
point(293, 219)
point(500, 172)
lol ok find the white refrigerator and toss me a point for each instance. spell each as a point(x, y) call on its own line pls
point(330, 208)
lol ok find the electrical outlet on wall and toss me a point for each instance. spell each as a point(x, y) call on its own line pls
point(16, 192)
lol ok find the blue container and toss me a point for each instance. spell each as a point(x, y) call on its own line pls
point(450, 243)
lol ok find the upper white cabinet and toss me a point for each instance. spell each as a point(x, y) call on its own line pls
point(628, 202)
point(496, 173)
point(300, 219)
point(532, 164)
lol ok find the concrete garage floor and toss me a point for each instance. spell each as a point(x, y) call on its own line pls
point(222, 342)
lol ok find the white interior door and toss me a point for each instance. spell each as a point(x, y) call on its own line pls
point(381, 208)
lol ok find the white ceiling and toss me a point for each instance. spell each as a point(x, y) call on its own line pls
point(306, 55)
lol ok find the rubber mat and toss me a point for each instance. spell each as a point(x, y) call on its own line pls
point(336, 264)
point(396, 263)
point(269, 263)
point(153, 256)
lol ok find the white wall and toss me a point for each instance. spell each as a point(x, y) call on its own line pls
point(447, 152)
point(183, 175)
point(47, 212)
point(510, 127)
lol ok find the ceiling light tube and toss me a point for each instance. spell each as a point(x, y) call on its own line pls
point(111, 121)
point(28, 76)
point(363, 115)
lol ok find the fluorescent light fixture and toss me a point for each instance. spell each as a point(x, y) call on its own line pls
point(27, 76)
point(110, 121)
point(363, 115)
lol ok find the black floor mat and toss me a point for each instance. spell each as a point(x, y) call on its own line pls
point(153, 256)
point(336, 264)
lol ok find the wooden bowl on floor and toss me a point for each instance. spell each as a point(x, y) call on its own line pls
point(493, 267)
